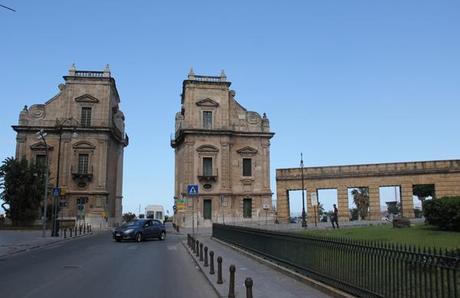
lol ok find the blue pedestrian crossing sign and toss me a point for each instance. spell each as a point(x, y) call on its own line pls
point(192, 190)
point(56, 191)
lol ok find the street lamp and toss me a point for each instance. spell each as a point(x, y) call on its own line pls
point(304, 221)
point(59, 126)
point(41, 135)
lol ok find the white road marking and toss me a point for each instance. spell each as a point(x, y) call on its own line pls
point(172, 247)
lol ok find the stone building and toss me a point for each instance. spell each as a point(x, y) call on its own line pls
point(224, 149)
point(85, 133)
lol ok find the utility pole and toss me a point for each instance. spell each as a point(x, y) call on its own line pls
point(304, 222)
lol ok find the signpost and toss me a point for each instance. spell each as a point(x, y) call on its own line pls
point(314, 203)
point(222, 208)
point(192, 191)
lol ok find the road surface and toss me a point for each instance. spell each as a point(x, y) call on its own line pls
point(96, 266)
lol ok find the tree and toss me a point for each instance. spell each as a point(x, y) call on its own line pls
point(422, 191)
point(22, 184)
point(361, 200)
point(127, 217)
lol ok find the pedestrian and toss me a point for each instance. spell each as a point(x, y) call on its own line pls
point(335, 217)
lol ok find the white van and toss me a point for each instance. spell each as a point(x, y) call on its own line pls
point(155, 212)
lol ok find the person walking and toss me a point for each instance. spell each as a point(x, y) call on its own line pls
point(335, 217)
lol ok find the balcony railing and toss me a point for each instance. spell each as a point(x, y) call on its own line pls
point(89, 74)
point(208, 177)
point(81, 177)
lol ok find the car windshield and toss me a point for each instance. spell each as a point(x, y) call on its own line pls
point(133, 223)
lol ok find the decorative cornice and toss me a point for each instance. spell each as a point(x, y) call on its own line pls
point(207, 149)
point(207, 102)
point(40, 146)
point(87, 98)
point(83, 145)
point(247, 150)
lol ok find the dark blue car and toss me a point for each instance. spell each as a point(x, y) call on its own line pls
point(139, 230)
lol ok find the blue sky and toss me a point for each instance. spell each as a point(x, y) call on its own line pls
point(344, 82)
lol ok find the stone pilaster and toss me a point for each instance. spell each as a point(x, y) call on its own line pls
point(309, 208)
point(374, 202)
point(342, 204)
point(407, 203)
point(282, 204)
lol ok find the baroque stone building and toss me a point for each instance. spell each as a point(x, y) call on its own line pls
point(85, 133)
point(224, 149)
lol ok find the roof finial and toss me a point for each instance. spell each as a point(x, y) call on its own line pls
point(223, 77)
point(107, 71)
point(72, 70)
point(191, 74)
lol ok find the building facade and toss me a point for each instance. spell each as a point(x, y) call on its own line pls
point(85, 134)
point(225, 150)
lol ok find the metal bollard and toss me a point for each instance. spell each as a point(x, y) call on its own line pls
point(248, 283)
point(178, 229)
point(211, 256)
point(219, 270)
point(70, 231)
point(201, 252)
point(75, 231)
point(65, 233)
point(206, 256)
point(80, 228)
point(84, 229)
point(231, 286)
point(193, 245)
point(197, 248)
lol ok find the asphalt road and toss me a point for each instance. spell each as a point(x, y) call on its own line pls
point(97, 266)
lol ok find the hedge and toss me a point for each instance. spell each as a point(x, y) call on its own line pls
point(443, 212)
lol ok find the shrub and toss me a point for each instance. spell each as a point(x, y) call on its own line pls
point(443, 212)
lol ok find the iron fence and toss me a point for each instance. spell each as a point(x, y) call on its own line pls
point(361, 268)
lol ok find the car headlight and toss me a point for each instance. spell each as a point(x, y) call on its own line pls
point(128, 231)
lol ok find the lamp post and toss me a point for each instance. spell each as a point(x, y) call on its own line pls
point(304, 221)
point(59, 126)
point(41, 134)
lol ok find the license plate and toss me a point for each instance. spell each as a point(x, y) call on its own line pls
point(117, 234)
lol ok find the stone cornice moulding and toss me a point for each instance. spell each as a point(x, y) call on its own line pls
point(207, 149)
point(83, 145)
point(247, 151)
point(207, 102)
point(40, 146)
point(87, 98)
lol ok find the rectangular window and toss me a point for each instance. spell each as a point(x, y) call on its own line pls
point(207, 119)
point(86, 117)
point(207, 209)
point(247, 208)
point(247, 167)
point(207, 166)
point(40, 160)
point(83, 160)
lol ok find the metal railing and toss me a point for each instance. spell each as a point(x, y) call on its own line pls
point(361, 268)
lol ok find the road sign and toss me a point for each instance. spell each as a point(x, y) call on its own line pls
point(314, 199)
point(56, 191)
point(192, 189)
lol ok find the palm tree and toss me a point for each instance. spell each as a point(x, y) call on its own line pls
point(361, 200)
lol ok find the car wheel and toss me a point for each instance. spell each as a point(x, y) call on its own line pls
point(163, 235)
point(118, 240)
point(138, 237)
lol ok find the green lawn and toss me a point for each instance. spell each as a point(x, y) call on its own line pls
point(419, 235)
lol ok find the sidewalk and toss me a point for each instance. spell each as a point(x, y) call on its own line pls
point(17, 241)
point(267, 282)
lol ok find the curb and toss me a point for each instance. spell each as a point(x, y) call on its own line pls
point(201, 270)
point(37, 247)
point(334, 292)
